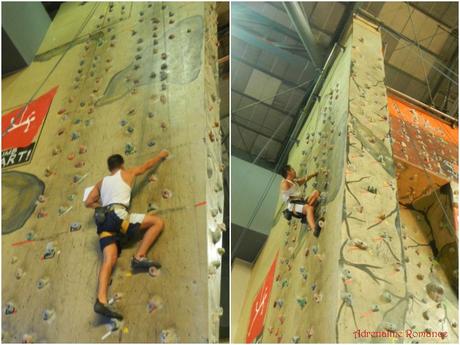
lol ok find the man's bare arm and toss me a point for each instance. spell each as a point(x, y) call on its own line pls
point(304, 179)
point(92, 201)
point(142, 169)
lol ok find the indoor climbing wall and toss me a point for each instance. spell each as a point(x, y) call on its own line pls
point(131, 78)
point(425, 149)
point(377, 250)
point(364, 271)
point(299, 307)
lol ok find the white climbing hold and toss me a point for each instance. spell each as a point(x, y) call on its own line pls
point(166, 193)
point(19, 273)
point(168, 336)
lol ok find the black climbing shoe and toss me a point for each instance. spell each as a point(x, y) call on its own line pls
point(106, 310)
point(144, 263)
point(317, 231)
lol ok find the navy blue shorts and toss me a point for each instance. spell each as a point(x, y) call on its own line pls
point(115, 227)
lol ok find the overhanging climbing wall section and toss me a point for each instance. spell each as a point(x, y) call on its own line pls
point(300, 307)
point(132, 78)
point(386, 284)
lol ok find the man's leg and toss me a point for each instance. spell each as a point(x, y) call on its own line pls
point(308, 211)
point(314, 196)
point(110, 255)
point(153, 226)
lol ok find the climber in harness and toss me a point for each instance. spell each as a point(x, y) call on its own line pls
point(111, 198)
point(296, 206)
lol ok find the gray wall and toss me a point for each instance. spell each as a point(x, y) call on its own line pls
point(248, 184)
point(24, 25)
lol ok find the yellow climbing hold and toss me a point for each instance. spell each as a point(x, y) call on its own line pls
point(129, 274)
point(125, 330)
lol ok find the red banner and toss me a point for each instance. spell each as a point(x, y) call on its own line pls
point(21, 127)
point(260, 305)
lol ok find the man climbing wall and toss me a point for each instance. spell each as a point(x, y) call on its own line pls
point(122, 87)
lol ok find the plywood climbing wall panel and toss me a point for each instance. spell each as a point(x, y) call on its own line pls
point(132, 78)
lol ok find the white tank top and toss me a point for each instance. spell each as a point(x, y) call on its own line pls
point(294, 190)
point(114, 190)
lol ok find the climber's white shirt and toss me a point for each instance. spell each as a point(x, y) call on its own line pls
point(114, 190)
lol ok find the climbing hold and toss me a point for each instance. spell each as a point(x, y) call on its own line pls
point(27, 339)
point(301, 301)
point(10, 308)
point(79, 164)
point(50, 251)
point(75, 227)
point(166, 193)
point(212, 270)
point(420, 276)
point(42, 282)
point(154, 272)
point(360, 244)
point(375, 307)
point(130, 129)
point(389, 326)
point(48, 172)
point(435, 291)
point(14, 259)
point(75, 135)
point(221, 251)
point(19, 273)
point(372, 189)
point(216, 263)
point(425, 315)
point(57, 150)
point(41, 198)
point(317, 297)
point(152, 207)
point(295, 339)
point(48, 314)
point(216, 236)
point(347, 298)
point(284, 283)
point(278, 303)
point(41, 213)
point(155, 303)
point(346, 274)
point(386, 296)
point(129, 149)
point(82, 149)
point(168, 336)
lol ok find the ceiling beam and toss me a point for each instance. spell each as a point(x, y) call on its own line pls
point(261, 43)
point(303, 28)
